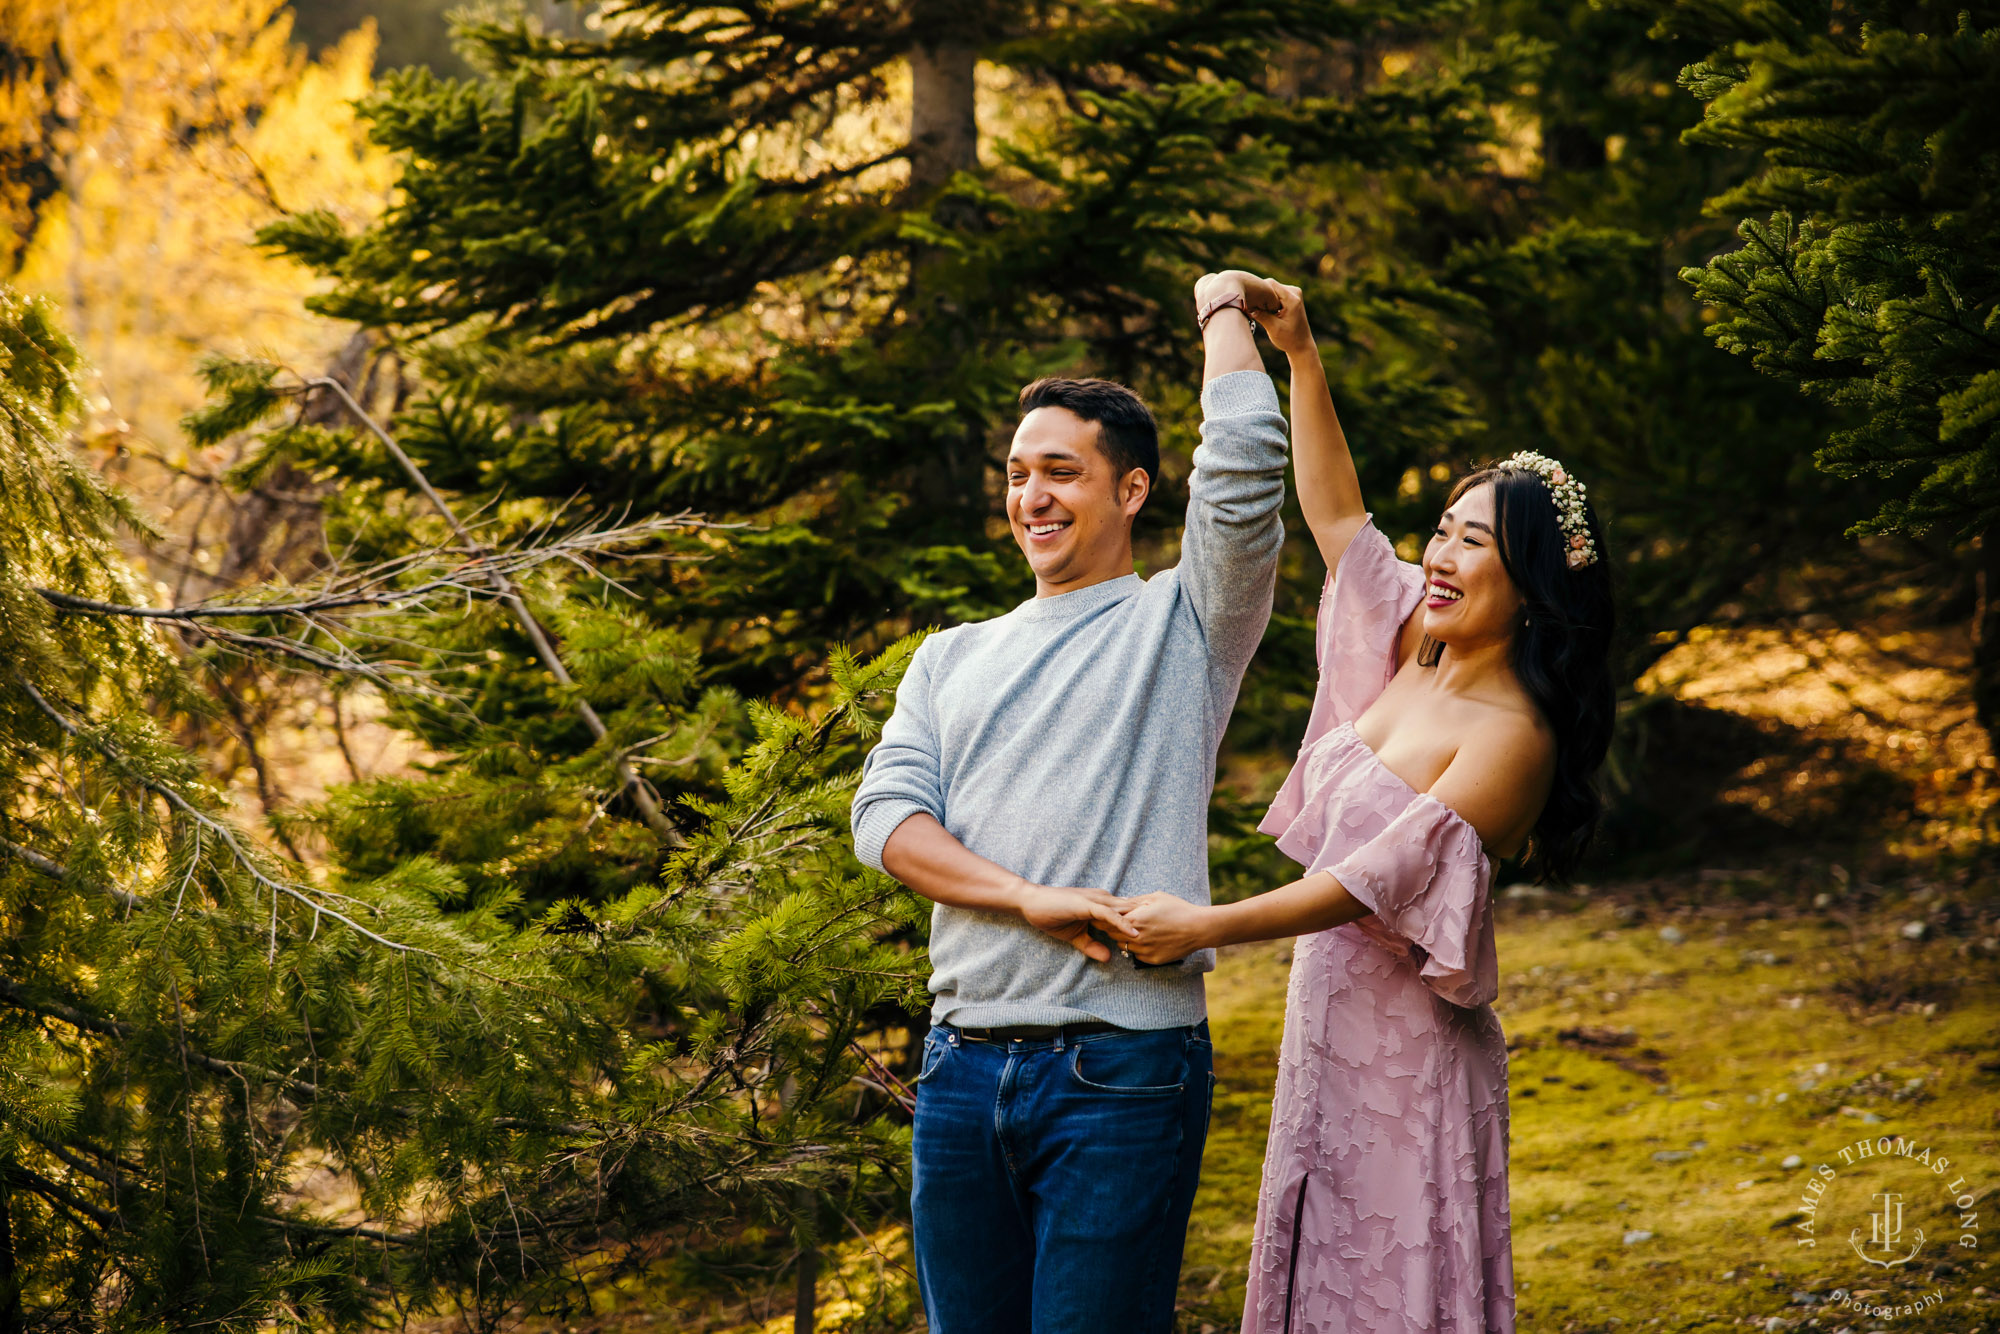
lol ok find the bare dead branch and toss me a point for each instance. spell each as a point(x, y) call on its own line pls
point(339, 608)
point(509, 593)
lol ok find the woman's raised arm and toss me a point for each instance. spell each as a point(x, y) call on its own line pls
point(1329, 490)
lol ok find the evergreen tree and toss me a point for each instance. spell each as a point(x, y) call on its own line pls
point(193, 1031)
point(687, 261)
point(790, 265)
point(1874, 282)
point(1557, 283)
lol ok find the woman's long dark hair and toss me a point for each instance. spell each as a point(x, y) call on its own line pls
point(1561, 656)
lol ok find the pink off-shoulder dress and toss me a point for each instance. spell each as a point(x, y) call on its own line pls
point(1384, 1202)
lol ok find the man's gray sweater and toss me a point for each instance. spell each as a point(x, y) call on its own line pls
point(1072, 741)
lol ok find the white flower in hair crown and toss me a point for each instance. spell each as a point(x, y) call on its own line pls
point(1569, 496)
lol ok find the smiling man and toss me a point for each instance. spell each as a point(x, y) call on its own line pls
point(1039, 767)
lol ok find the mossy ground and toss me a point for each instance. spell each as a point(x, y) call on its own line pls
point(1745, 1043)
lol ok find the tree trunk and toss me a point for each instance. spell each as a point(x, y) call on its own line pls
point(805, 1295)
point(10, 1283)
point(1567, 147)
point(944, 139)
point(805, 1289)
point(1986, 635)
point(944, 127)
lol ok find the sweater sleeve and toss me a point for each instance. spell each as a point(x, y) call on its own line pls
point(902, 775)
point(1229, 549)
point(1430, 886)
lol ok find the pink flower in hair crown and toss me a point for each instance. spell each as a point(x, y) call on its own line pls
point(1570, 499)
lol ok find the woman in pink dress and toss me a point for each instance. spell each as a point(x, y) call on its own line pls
point(1464, 706)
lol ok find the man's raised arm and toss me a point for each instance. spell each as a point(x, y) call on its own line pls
point(1229, 549)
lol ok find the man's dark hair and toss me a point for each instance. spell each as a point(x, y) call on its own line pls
point(1126, 431)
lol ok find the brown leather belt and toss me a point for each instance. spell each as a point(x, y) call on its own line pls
point(1037, 1032)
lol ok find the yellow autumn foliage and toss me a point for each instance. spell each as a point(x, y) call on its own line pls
point(163, 134)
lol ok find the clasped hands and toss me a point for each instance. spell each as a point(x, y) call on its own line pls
point(1278, 308)
point(1154, 928)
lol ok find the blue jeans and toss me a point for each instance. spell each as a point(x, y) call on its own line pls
point(1052, 1179)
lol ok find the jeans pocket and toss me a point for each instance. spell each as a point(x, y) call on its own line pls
point(1132, 1068)
point(935, 1048)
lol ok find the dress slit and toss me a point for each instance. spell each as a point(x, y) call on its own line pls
point(1292, 1263)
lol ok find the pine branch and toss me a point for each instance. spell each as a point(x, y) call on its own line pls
point(77, 1163)
point(238, 853)
point(351, 1230)
point(18, 1175)
point(12, 993)
point(55, 870)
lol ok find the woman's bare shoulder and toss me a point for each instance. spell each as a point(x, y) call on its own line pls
point(1499, 777)
point(1512, 725)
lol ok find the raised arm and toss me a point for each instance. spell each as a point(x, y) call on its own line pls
point(1329, 490)
point(1229, 547)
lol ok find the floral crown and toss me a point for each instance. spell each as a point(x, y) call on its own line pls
point(1569, 497)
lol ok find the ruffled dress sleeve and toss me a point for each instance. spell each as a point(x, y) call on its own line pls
point(1368, 595)
point(1430, 885)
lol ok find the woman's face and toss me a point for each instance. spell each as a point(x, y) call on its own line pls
point(1468, 598)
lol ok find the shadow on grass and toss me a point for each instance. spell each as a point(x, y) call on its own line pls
point(1703, 786)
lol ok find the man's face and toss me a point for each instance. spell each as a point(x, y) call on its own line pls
point(1070, 509)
